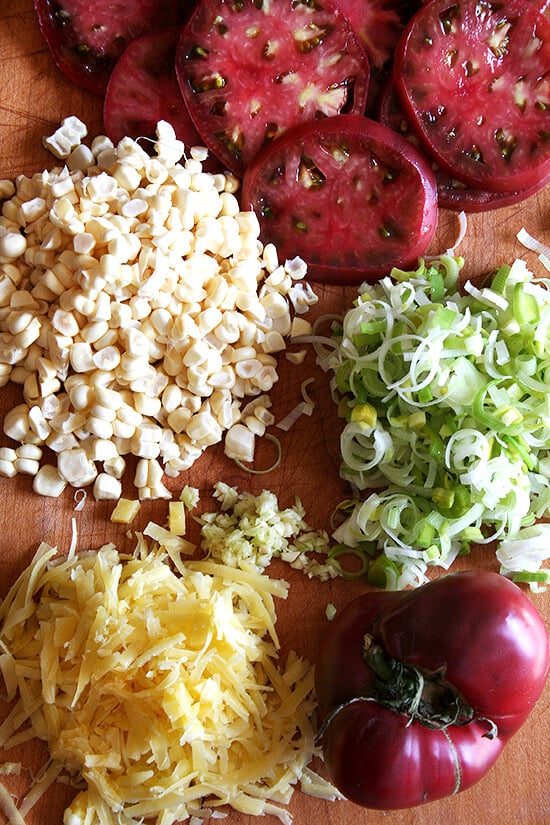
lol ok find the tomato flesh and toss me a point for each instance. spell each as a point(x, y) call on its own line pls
point(86, 37)
point(348, 195)
point(475, 630)
point(249, 70)
point(473, 77)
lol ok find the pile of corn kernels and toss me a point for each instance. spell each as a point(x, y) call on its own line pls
point(140, 313)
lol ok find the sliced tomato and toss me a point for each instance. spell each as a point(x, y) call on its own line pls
point(249, 69)
point(452, 193)
point(459, 197)
point(348, 195)
point(143, 89)
point(86, 37)
point(379, 24)
point(473, 77)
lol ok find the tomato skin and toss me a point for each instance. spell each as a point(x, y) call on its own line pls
point(490, 642)
point(473, 660)
point(452, 193)
point(376, 761)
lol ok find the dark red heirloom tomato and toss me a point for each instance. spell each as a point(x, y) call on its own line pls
point(474, 82)
point(348, 195)
point(419, 691)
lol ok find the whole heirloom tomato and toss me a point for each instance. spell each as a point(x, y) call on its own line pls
point(419, 691)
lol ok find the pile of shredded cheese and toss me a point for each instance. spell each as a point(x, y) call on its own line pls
point(160, 689)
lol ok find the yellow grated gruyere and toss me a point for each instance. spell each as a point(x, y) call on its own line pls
point(160, 689)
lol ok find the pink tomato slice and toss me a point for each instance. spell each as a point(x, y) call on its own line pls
point(348, 195)
point(249, 69)
point(474, 79)
point(86, 37)
point(452, 193)
point(379, 24)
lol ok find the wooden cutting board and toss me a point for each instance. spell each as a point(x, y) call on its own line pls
point(34, 97)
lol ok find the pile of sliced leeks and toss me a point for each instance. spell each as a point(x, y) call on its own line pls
point(446, 392)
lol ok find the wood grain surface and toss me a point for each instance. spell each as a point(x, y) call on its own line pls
point(34, 97)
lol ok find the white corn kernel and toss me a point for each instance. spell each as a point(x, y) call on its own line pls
point(147, 405)
point(102, 187)
point(26, 466)
point(30, 451)
point(76, 468)
point(16, 423)
point(7, 468)
point(7, 189)
point(38, 423)
point(239, 443)
point(145, 449)
point(178, 419)
point(204, 429)
point(59, 442)
point(300, 326)
point(154, 473)
point(273, 342)
point(297, 357)
point(302, 297)
point(107, 487)
point(115, 466)
point(12, 245)
point(103, 411)
point(160, 491)
point(101, 449)
point(82, 396)
point(80, 158)
point(101, 143)
point(107, 358)
point(65, 323)
point(48, 481)
point(99, 427)
point(129, 415)
point(109, 398)
point(141, 473)
point(121, 429)
point(139, 275)
point(171, 397)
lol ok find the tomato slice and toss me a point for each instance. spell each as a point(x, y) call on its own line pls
point(473, 76)
point(452, 193)
point(86, 37)
point(143, 89)
point(348, 195)
point(379, 24)
point(249, 69)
